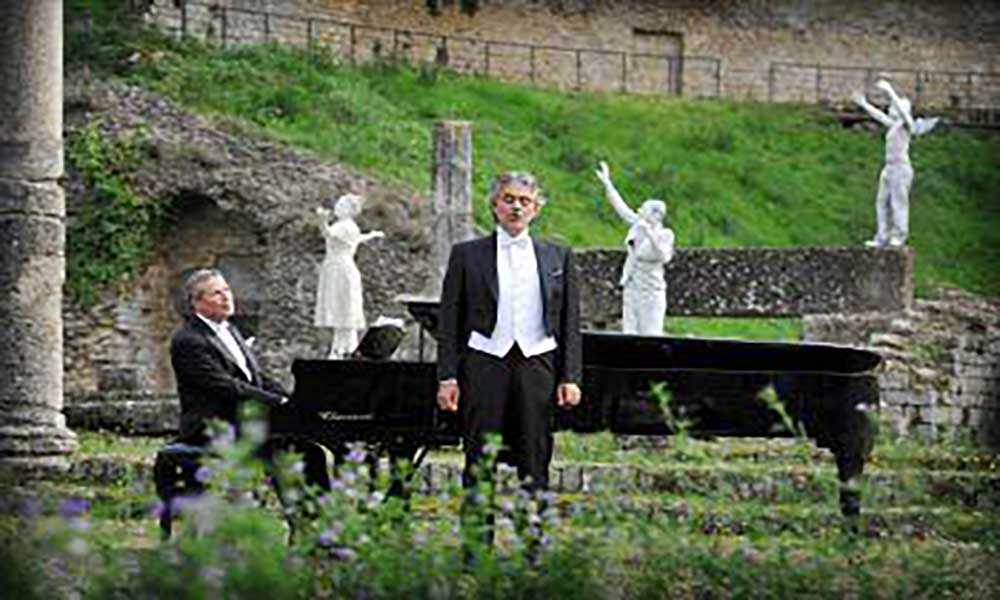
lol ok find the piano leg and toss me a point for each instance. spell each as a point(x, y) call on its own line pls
point(834, 411)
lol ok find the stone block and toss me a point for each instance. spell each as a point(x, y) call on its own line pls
point(570, 479)
point(896, 398)
point(894, 380)
point(945, 416)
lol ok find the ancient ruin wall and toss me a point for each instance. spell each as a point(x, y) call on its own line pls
point(941, 373)
point(760, 50)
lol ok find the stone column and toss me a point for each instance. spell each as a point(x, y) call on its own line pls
point(451, 209)
point(33, 435)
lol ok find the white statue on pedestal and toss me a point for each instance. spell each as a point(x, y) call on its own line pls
point(339, 303)
point(892, 203)
point(650, 246)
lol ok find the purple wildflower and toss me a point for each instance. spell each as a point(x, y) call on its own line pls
point(30, 508)
point(356, 455)
point(74, 507)
point(546, 540)
point(78, 524)
point(419, 539)
point(506, 505)
point(179, 503)
point(343, 553)
point(203, 474)
point(225, 437)
point(326, 538)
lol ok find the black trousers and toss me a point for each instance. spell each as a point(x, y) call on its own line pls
point(513, 396)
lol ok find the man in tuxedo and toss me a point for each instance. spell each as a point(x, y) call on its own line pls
point(509, 335)
point(216, 371)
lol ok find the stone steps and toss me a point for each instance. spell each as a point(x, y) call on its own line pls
point(692, 514)
point(733, 482)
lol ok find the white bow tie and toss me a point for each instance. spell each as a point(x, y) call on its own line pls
point(521, 242)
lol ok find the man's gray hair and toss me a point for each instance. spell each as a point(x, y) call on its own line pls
point(520, 178)
point(197, 278)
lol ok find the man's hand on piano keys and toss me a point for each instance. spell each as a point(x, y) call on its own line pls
point(447, 395)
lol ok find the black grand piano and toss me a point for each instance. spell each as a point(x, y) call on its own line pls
point(721, 386)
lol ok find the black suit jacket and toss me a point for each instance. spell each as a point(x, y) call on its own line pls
point(209, 382)
point(470, 295)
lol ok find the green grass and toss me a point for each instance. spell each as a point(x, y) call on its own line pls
point(733, 174)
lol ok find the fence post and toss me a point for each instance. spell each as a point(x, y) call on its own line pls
point(819, 80)
point(395, 44)
point(624, 72)
point(267, 27)
point(354, 43)
point(225, 25)
point(309, 36)
point(486, 51)
point(718, 77)
point(531, 59)
point(578, 68)
point(770, 82)
point(917, 89)
point(184, 19)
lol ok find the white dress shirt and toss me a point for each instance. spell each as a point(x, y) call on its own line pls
point(519, 308)
point(222, 330)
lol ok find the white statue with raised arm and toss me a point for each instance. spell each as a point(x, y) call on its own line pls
point(339, 303)
point(650, 246)
point(892, 202)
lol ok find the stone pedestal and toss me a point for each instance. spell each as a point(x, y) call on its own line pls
point(33, 435)
point(451, 210)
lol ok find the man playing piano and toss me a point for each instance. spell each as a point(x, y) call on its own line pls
point(509, 334)
point(216, 371)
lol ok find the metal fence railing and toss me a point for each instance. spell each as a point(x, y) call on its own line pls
point(972, 95)
point(965, 96)
point(578, 68)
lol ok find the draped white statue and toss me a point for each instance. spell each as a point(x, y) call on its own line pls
point(339, 303)
point(892, 202)
point(650, 247)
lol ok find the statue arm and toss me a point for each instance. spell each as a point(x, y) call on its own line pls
point(894, 99)
point(323, 220)
point(626, 213)
point(665, 244)
point(872, 111)
point(371, 235)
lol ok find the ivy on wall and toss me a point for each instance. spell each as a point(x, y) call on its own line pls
point(112, 234)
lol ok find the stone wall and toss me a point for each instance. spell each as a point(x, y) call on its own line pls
point(942, 54)
point(942, 363)
point(749, 282)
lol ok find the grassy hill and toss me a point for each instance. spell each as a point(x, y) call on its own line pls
point(733, 174)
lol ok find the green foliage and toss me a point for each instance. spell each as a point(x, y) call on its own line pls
point(733, 174)
point(769, 397)
point(714, 537)
point(114, 230)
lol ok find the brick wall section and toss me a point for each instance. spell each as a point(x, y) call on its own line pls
point(942, 363)
point(766, 48)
